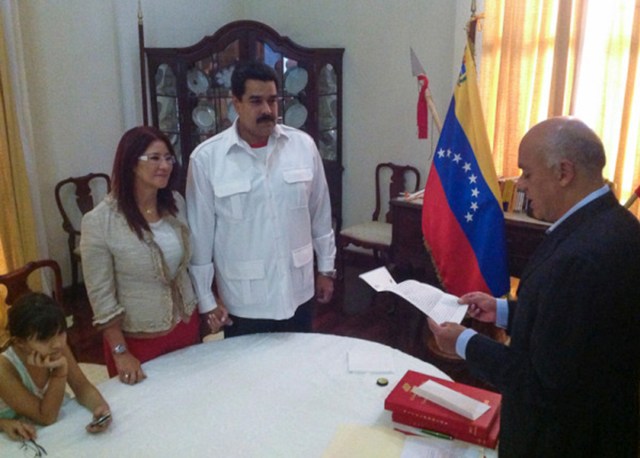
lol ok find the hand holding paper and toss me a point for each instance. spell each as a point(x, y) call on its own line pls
point(433, 302)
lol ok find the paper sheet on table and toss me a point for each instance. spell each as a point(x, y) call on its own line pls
point(361, 360)
point(451, 399)
point(421, 447)
point(431, 301)
point(359, 441)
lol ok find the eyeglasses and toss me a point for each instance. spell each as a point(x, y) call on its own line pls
point(155, 159)
point(32, 448)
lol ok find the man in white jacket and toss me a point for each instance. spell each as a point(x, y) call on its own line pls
point(258, 207)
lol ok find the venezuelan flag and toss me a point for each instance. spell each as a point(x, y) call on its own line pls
point(462, 218)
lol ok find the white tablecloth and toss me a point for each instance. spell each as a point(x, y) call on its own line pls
point(265, 395)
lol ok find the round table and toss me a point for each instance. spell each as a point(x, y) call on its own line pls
point(263, 395)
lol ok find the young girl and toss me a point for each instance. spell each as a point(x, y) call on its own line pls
point(36, 367)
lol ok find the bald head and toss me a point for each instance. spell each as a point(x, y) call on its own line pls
point(561, 161)
point(568, 138)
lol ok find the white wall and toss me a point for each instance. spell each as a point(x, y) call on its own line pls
point(84, 86)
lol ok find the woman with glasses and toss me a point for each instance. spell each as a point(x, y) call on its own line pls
point(135, 253)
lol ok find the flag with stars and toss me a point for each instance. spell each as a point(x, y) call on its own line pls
point(462, 218)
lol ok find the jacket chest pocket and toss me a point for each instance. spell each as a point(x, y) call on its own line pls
point(298, 183)
point(231, 199)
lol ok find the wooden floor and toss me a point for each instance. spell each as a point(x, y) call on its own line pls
point(356, 311)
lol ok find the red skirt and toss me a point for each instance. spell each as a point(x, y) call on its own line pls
point(183, 335)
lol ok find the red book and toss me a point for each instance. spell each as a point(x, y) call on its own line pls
point(410, 408)
point(490, 440)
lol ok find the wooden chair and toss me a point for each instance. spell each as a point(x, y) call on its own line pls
point(376, 234)
point(20, 281)
point(83, 188)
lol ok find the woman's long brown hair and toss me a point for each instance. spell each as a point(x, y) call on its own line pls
point(132, 145)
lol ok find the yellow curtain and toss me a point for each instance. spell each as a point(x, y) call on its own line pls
point(18, 243)
point(544, 58)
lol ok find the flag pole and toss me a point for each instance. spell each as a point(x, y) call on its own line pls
point(472, 25)
point(632, 198)
point(433, 110)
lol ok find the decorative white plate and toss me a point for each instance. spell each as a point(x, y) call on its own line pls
point(197, 81)
point(295, 80)
point(204, 116)
point(295, 115)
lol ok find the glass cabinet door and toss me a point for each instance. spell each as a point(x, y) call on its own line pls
point(328, 113)
point(166, 105)
point(209, 104)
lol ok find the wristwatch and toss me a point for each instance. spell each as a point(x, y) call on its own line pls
point(119, 349)
point(329, 273)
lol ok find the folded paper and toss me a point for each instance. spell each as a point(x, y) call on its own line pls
point(451, 399)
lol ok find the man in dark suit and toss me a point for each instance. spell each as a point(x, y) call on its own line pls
point(570, 374)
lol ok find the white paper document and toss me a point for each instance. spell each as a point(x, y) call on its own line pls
point(431, 301)
point(451, 399)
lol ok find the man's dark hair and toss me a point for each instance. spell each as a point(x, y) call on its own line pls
point(36, 315)
point(250, 70)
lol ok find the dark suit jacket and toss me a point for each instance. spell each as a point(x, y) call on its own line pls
point(570, 376)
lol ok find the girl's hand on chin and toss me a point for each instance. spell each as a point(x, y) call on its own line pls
point(49, 361)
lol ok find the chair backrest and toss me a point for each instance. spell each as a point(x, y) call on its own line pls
point(402, 178)
point(20, 281)
point(75, 196)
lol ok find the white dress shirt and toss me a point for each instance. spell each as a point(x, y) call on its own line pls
point(256, 220)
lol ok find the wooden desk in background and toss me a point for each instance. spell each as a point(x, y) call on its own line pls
point(409, 254)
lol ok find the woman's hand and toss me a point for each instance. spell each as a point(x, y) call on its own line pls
point(129, 369)
point(218, 318)
point(101, 419)
point(127, 365)
point(18, 430)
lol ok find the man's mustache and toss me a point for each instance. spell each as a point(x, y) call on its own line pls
point(266, 118)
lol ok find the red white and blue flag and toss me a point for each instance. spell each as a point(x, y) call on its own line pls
point(462, 218)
